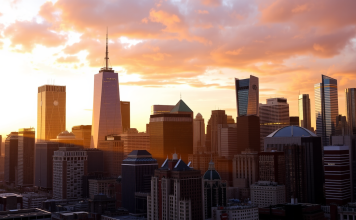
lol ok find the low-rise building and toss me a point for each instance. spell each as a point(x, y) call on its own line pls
point(266, 193)
point(234, 211)
point(25, 214)
point(33, 200)
point(10, 201)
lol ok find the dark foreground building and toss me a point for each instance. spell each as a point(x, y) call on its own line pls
point(292, 211)
point(248, 133)
point(11, 149)
point(137, 170)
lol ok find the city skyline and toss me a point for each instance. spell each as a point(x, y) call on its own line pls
point(181, 55)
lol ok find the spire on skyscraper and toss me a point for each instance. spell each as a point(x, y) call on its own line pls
point(107, 50)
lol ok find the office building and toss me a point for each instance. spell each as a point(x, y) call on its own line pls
point(137, 170)
point(341, 128)
point(326, 108)
point(44, 164)
point(125, 115)
point(178, 184)
point(83, 132)
point(51, 111)
point(245, 171)
point(351, 110)
point(304, 111)
point(294, 120)
point(214, 190)
point(227, 140)
point(25, 214)
point(337, 175)
point(95, 160)
point(161, 109)
point(172, 132)
point(235, 210)
point(113, 154)
point(248, 133)
point(303, 158)
point(102, 186)
point(218, 117)
point(134, 140)
point(69, 165)
point(25, 157)
point(11, 156)
point(247, 96)
point(272, 167)
point(33, 200)
point(292, 211)
point(273, 115)
point(106, 104)
point(198, 134)
point(266, 193)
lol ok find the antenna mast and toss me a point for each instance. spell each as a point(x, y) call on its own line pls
point(107, 51)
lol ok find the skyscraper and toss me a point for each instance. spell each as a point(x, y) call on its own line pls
point(51, 111)
point(125, 115)
point(134, 140)
point(113, 154)
point(248, 133)
point(326, 108)
point(304, 111)
point(218, 117)
point(247, 96)
point(198, 134)
point(351, 110)
point(273, 115)
point(25, 157)
point(83, 132)
point(11, 149)
point(106, 104)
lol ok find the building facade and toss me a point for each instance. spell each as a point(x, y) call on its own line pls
point(51, 111)
point(248, 133)
point(69, 165)
point(161, 109)
point(198, 134)
point(304, 111)
point(218, 117)
point(125, 115)
point(272, 167)
point(176, 192)
point(103, 186)
point(266, 193)
point(247, 96)
point(33, 200)
point(235, 211)
point(326, 108)
point(337, 175)
point(83, 132)
point(113, 154)
point(137, 171)
point(11, 157)
point(134, 140)
point(351, 110)
point(26, 157)
point(273, 115)
point(227, 140)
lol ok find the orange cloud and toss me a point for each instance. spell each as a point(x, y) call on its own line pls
point(69, 59)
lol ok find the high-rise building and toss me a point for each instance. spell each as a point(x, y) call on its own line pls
point(198, 134)
point(0, 145)
point(214, 190)
point(134, 140)
point(302, 149)
point(304, 111)
point(266, 193)
point(227, 140)
point(95, 158)
point(69, 165)
point(337, 175)
point(25, 157)
point(351, 110)
point(51, 111)
point(83, 132)
point(11, 149)
point(44, 164)
point(294, 120)
point(113, 153)
point(172, 132)
point(273, 115)
point(125, 115)
point(230, 120)
point(247, 96)
point(272, 167)
point(326, 108)
point(245, 171)
point(176, 192)
point(341, 128)
point(218, 117)
point(137, 171)
point(161, 109)
point(106, 104)
point(248, 133)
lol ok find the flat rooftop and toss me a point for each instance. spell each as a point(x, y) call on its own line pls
point(22, 213)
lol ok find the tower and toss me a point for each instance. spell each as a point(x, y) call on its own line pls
point(247, 96)
point(304, 111)
point(351, 110)
point(106, 104)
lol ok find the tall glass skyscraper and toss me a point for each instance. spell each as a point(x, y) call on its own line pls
point(247, 96)
point(351, 110)
point(304, 111)
point(326, 108)
point(106, 105)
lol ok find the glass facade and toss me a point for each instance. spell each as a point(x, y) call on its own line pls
point(351, 110)
point(247, 96)
point(326, 108)
point(304, 111)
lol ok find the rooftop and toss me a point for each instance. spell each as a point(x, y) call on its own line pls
point(292, 131)
point(24, 213)
point(181, 107)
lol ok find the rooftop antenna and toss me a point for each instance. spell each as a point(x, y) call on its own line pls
point(107, 51)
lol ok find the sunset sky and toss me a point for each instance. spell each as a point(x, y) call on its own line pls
point(163, 48)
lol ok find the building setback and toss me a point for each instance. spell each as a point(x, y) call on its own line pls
point(51, 111)
point(11, 149)
point(25, 160)
point(337, 175)
point(176, 192)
